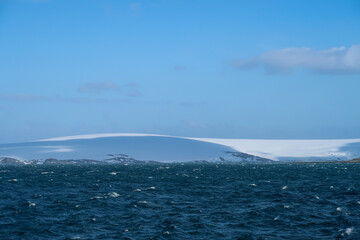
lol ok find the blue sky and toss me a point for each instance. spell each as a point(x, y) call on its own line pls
point(233, 69)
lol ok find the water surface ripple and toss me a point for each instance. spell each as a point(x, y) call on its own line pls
point(175, 201)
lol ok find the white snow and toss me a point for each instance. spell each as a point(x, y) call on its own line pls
point(100, 135)
point(274, 149)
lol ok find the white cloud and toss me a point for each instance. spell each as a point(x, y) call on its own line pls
point(340, 60)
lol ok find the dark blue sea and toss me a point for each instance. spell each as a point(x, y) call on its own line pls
point(175, 201)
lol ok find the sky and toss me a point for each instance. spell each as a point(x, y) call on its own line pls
point(224, 69)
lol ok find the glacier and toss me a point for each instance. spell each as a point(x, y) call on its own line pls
point(166, 148)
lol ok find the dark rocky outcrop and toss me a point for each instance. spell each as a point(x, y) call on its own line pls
point(122, 158)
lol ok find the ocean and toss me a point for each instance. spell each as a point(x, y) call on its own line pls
point(181, 201)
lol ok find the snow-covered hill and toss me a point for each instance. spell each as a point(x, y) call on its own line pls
point(123, 148)
point(117, 147)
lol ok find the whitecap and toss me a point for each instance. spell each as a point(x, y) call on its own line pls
point(253, 184)
point(317, 197)
point(338, 209)
point(114, 194)
point(151, 188)
point(348, 231)
point(13, 180)
point(31, 204)
point(113, 173)
point(97, 197)
point(277, 218)
point(46, 172)
point(284, 188)
point(142, 202)
point(137, 190)
point(286, 206)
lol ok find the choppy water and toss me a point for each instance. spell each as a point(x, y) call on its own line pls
point(191, 201)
